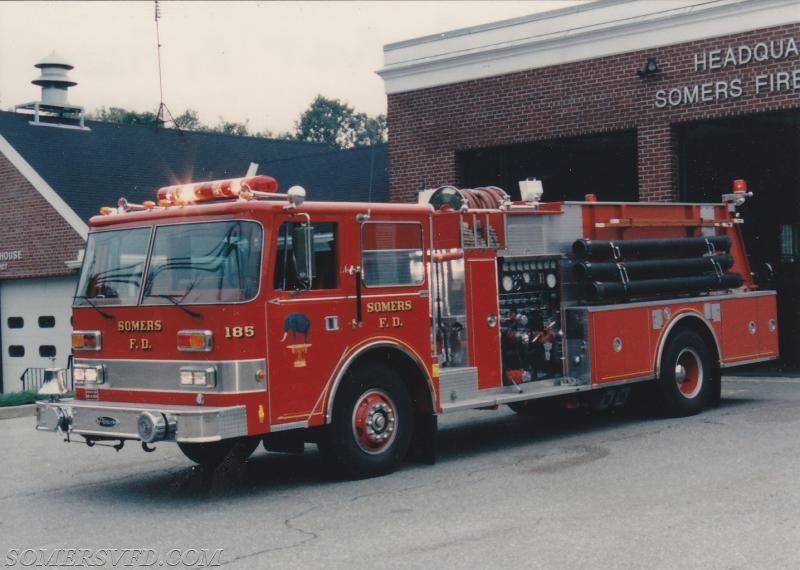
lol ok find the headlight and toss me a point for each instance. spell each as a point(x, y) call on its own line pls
point(195, 376)
point(82, 374)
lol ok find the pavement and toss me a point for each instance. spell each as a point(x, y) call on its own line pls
point(606, 490)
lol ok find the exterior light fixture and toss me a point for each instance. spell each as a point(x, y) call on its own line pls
point(649, 69)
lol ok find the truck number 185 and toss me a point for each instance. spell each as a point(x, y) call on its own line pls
point(247, 331)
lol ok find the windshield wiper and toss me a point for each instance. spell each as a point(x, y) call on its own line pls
point(93, 306)
point(171, 299)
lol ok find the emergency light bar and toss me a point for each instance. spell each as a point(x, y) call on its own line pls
point(246, 188)
point(182, 194)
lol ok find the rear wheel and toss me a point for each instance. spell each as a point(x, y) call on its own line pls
point(686, 374)
point(213, 453)
point(372, 424)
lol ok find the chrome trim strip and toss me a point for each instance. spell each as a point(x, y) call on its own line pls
point(422, 293)
point(159, 391)
point(749, 361)
point(152, 375)
point(623, 382)
point(670, 302)
point(286, 427)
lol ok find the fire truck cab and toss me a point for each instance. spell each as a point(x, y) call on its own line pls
point(226, 314)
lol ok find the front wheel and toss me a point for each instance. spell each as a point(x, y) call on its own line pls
point(686, 374)
point(372, 424)
point(213, 453)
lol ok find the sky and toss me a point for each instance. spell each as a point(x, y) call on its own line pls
point(260, 62)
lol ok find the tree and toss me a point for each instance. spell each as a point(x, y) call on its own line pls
point(189, 121)
point(123, 116)
point(333, 122)
point(229, 128)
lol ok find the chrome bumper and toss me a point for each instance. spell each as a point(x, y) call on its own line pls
point(113, 420)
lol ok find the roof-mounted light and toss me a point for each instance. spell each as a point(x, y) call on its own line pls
point(124, 206)
point(297, 195)
point(183, 194)
point(739, 195)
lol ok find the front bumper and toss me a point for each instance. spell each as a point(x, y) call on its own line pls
point(114, 420)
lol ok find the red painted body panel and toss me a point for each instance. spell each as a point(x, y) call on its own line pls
point(631, 356)
point(309, 337)
point(484, 340)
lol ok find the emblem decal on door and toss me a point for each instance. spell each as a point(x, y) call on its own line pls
point(297, 324)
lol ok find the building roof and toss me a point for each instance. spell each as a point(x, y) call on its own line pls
point(583, 32)
point(358, 174)
point(91, 168)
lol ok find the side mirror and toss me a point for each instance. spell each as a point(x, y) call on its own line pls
point(303, 252)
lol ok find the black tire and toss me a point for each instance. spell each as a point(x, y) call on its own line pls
point(216, 452)
point(372, 424)
point(686, 376)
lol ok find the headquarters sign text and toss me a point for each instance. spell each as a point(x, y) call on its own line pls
point(731, 89)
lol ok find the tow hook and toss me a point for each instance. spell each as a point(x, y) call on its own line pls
point(147, 448)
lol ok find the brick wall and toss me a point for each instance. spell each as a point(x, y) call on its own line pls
point(33, 227)
point(428, 127)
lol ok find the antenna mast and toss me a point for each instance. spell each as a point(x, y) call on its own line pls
point(163, 110)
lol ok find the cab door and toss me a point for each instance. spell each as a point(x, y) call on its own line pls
point(308, 317)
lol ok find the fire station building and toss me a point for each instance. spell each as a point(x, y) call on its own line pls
point(57, 170)
point(657, 101)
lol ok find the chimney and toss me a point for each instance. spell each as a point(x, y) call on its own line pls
point(54, 82)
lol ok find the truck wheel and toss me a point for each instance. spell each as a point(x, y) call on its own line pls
point(686, 373)
point(213, 453)
point(372, 424)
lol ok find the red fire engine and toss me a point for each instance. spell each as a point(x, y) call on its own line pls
point(225, 315)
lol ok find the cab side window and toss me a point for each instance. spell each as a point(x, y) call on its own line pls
point(391, 254)
point(326, 275)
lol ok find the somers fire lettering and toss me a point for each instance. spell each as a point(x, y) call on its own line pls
point(139, 326)
point(731, 89)
point(389, 306)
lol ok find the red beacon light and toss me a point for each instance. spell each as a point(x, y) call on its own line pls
point(739, 195)
point(183, 194)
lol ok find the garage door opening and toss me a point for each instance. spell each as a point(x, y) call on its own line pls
point(604, 165)
point(763, 150)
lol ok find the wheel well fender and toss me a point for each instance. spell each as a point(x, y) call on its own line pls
point(693, 322)
point(411, 370)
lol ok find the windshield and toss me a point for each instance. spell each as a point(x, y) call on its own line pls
point(113, 267)
point(204, 263)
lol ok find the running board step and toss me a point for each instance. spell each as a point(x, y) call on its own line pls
point(508, 395)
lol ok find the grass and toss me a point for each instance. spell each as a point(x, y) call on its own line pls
point(22, 398)
point(17, 398)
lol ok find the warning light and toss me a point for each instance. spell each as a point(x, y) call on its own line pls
point(182, 194)
point(86, 340)
point(190, 341)
point(740, 185)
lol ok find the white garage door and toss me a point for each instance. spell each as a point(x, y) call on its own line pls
point(35, 316)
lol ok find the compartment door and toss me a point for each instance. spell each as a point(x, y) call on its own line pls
point(484, 326)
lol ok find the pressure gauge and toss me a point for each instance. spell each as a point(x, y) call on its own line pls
point(551, 280)
point(508, 283)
